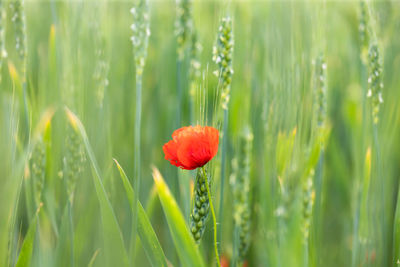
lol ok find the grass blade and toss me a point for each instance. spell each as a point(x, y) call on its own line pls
point(146, 233)
point(114, 247)
point(183, 240)
point(64, 251)
point(25, 255)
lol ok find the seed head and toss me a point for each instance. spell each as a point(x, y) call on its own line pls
point(222, 56)
point(363, 28)
point(74, 161)
point(320, 90)
point(101, 73)
point(141, 34)
point(3, 52)
point(195, 65)
point(308, 201)
point(375, 84)
point(201, 205)
point(183, 25)
point(37, 164)
point(18, 19)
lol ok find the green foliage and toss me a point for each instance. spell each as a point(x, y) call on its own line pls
point(25, 255)
point(64, 255)
point(146, 232)
point(114, 248)
point(183, 240)
point(129, 95)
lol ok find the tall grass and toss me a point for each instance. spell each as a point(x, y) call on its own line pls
point(314, 178)
point(223, 56)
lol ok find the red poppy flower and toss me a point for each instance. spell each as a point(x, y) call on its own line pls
point(192, 147)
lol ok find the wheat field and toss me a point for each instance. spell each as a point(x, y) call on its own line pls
point(299, 164)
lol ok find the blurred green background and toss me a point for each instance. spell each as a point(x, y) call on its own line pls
point(79, 55)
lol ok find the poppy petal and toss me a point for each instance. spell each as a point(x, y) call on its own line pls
point(192, 147)
point(170, 151)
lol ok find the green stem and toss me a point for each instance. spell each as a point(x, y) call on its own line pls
point(192, 103)
point(138, 118)
point(182, 184)
point(26, 111)
point(177, 182)
point(179, 89)
point(30, 206)
point(12, 253)
point(318, 189)
point(317, 211)
point(223, 155)
point(378, 172)
point(213, 215)
point(235, 255)
point(396, 229)
point(71, 231)
point(306, 260)
point(356, 224)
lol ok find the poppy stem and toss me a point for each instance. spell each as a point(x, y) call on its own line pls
point(213, 216)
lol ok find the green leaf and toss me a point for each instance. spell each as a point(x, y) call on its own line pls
point(24, 258)
point(114, 248)
point(183, 240)
point(147, 236)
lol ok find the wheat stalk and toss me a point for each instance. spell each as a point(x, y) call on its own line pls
point(240, 182)
point(223, 57)
point(140, 39)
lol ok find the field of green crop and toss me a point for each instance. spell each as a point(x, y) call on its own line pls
point(305, 96)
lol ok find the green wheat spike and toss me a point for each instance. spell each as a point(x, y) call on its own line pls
point(201, 206)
